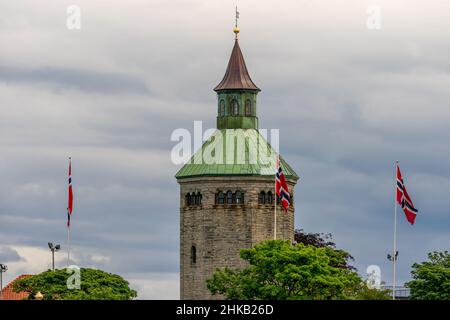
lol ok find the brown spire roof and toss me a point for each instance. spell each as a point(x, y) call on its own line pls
point(236, 76)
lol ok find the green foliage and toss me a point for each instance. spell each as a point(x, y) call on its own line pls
point(279, 271)
point(362, 292)
point(95, 285)
point(431, 279)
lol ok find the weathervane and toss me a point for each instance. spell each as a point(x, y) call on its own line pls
point(236, 28)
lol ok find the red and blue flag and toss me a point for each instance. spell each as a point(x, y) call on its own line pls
point(404, 200)
point(70, 202)
point(281, 187)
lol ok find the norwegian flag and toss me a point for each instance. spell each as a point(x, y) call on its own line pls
point(404, 199)
point(281, 188)
point(70, 203)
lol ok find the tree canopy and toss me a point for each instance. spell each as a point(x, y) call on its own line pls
point(314, 239)
point(431, 279)
point(279, 270)
point(94, 285)
point(321, 240)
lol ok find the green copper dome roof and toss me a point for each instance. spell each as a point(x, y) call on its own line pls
point(242, 152)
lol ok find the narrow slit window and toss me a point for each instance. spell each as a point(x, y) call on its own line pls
point(234, 107)
point(193, 254)
point(248, 107)
point(222, 108)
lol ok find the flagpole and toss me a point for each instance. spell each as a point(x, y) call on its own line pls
point(275, 196)
point(394, 255)
point(68, 245)
point(69, 208)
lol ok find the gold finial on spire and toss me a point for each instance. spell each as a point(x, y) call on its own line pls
point(236, 28)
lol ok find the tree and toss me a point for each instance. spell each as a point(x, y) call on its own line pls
point(321, 240)
point(318, 240)
point(278, 271)
point(431, 279)
point(363, 292)
point(95, 285)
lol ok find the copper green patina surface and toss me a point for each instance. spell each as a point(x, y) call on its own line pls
point(242, 152)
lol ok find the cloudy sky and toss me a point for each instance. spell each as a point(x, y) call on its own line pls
point(349, 100)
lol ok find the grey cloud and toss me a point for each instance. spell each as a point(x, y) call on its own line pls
point(83, 80)
point(8, 255)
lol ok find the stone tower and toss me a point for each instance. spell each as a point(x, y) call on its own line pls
point(227, 188)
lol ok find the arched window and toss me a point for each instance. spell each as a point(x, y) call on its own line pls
point(239, 197)
point(248, 107)
point(220, 198)
point(221, 108)
point(270, 197)
point(229, 197)
point(187, 200)
point(262, 197)
point(193, 254)
point(234, 107)
point(192, 199)
point(198, 199)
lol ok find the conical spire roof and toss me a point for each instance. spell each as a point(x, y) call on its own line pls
point(236, 76)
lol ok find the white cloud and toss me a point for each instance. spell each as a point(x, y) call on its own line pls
point(156, 286)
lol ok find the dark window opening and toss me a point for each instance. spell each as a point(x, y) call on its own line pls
point(192, 199)
point(221, 198)
point(248, 107)
point(222, 108)
point(239, 197)
point(198, 199)
point(229, 197)
point(193, 254)
point(235, 107)
point(270, 197)
point(262, 197)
